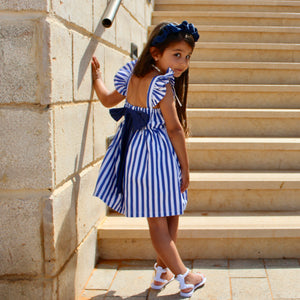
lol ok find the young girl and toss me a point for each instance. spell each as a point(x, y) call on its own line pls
point(145, 172)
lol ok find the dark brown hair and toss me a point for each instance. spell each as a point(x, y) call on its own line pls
point(145, 61)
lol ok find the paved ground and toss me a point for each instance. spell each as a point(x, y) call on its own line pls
point(267, 279)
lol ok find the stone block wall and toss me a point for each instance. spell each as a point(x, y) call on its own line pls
point(53, 133)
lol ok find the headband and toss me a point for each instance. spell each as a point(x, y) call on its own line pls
point(171, 28)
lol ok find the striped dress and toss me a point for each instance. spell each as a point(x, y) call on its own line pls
point(152, 176)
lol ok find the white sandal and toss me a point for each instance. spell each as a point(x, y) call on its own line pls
point(159, 270)
point(183, 285)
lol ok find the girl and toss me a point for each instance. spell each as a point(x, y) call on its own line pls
point(145, 172)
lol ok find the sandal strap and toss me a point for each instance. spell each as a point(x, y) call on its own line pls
point(181, 277)
point(159, 270)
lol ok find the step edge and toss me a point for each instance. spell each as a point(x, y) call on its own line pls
point(248, 46)
point(244, 65)
point(196, 87)
point(242, 144)
point(231, 2)
point(233, 113)
point(226, 14)
point(213, 225)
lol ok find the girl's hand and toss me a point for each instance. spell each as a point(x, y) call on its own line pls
point(96, 73)
point(185, 180)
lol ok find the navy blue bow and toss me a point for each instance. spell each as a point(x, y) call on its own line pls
point(134, 120)
point(172, 28)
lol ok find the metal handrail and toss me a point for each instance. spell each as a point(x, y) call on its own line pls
point(110, 12)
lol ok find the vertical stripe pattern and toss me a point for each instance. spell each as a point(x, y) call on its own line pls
point(152, 179)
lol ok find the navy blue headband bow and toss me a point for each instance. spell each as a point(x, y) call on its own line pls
point(172, 28)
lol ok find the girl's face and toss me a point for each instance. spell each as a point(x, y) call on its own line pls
point(176, 56)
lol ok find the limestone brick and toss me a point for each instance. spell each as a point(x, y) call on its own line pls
point(140, 7)
point(59, 224)
point(138, 36)
point(247, 268)
point(107, 34)
point(129, 5)
point(28, 289)
point(102, 276)
point(22, 252)
point(25, 5)
point(99, 9)
point(26, 159)
point(218, 284)
point(84, 49)
point(140, 286)
point(284, 287)
point(89, 208)
point(73, 139)
point(19, 72)
point(129, 31)
point(61, 63)
point(87, 257)
point(113, 62)
point(258, 289)
point(148, 12)
point(101, 131)
point(96, 294)
point(21, 290)
point(137, 9)
point(123, 29)
point(78, 269)
point(78, 12)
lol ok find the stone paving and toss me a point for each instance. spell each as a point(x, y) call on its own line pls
point(261, 279)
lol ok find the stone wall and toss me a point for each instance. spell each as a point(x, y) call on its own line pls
point(53, 137)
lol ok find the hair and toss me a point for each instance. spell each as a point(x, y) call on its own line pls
point(145, 61)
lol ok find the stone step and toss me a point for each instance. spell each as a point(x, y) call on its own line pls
point(255, 52)
point(228, 18)
point(207, 235)
point(247, 34)
point(244, 190)
point(244, 153)
point(243, 96)
point(245, 72)
point(228, 5)
point(210, 122)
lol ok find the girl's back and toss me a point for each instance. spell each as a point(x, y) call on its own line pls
point(138, 90)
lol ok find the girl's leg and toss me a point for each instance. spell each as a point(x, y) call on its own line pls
point(173, 229)
point(173, 222)
point(167, 251)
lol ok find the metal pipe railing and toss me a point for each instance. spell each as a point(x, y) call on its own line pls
point(110, 12)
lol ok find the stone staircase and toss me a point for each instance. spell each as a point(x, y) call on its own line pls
point(244, 148)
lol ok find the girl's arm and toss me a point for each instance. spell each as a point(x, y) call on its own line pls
point(107, 98)
point(175, 131)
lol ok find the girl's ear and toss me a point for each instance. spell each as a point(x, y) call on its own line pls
point(154, 53)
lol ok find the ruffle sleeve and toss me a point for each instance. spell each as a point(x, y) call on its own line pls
point(123, 76)
point(159, 86)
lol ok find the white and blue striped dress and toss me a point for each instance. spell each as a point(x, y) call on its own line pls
point(152, 176)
